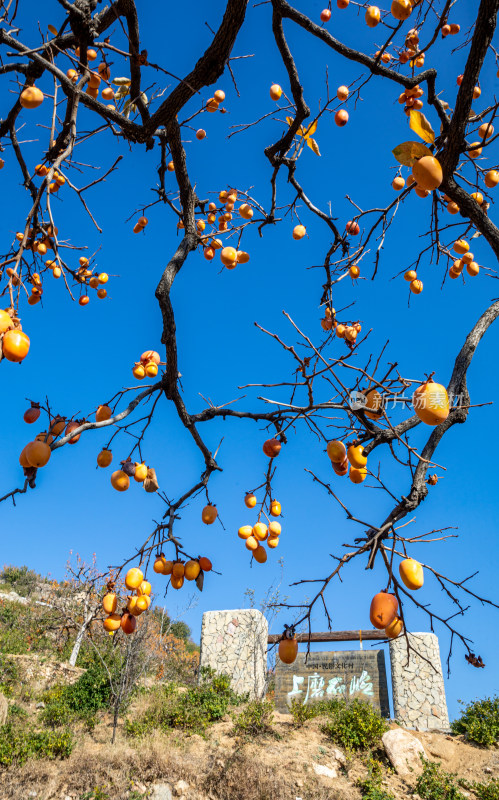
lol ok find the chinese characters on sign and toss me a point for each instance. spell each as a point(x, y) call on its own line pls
point(349, 675)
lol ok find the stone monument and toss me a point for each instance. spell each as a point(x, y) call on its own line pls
point(418, 683)
point(342, 674)
point(235, 642)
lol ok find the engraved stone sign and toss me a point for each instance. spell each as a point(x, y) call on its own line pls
point(335, 674)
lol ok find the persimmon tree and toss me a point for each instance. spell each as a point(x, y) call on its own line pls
point(95, 62)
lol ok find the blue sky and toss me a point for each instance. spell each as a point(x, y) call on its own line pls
point(80, 357)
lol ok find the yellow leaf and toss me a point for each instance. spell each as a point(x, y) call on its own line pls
point(53, 30)
point(311, 129)
point(420, 125)
point(409, 152)
point(313, 145)
point(290, 121)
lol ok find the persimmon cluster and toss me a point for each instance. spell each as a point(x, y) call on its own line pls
point(147, 366)
point(180, 571)
point(255, 535)
point(137, 602)
point(343, 330)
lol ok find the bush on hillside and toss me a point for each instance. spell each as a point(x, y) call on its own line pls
point(436, 784)
point(354, 725)
point(480, 722)
point(19, 579)
point(254, 720)
point(18, 743)
point(193, 710)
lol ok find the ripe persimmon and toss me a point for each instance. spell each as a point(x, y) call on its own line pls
point(384, 607)
point(209, 514)
point(352, 228)
point(120, 481)
point(159, 563)
point(272, 448)
point(275, 508)
point(31, 414)
point(134, 578)
point(472, 269)
point(205, 564)
point(37, 453)
point(341, 117)
point(342, 93)
point(395, 628)
point(398, 183)
point(103, 413)
point(245, 531)
point(128, 623)
point(431, 402)
point(260, 554)
point(274, 529)
point(31, 97)
point(109, 602)
point(491, 179)
point(485, 130)
point(251, 543)
point(416, 286)
point(192, 570)
point(288, 649)
point(336, 451)
point(5, 321)
point(176, 583)
point(411, 573)
point(104, 458)
point(139, 371)
point(15, 345)
point(250, 500)
point(460, 246)
point(326, 15)
point(260, 531)
point(275, 91)
point(372, 16)
point(356, 457)
point(358, 475)
point(112, 622)
point(427, 173)
point(140, 472)
point(299, 231)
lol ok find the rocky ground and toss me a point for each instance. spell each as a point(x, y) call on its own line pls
point(289, 764)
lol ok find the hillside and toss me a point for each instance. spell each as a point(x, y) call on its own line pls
point(132, 720)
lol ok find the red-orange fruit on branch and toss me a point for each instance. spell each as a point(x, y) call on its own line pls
point(128, 623)
point(112, 623)
point(336, 451)
point(104, 458)
point(431, 402)
point(411, 573)
point(192, 570)
point(395, 628)
point(427, 173)
point(15, 346)
point(209, 514)
point(31, 414)
point(5, 321)
point(31, 97)
point(134, 578)
point(205, 564)
point(120, 481)
point(272, 448)
point(288, 649)
point(37, 453)
point(383, 610)
point(102, 413)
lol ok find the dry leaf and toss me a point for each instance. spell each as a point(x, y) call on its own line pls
point(420, 125)
point(121, 81)
point(313, 146)
point(151, 482)
point(53, 30)
point(200, 581)
point(409, 152)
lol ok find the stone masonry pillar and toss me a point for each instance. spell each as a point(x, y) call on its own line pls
point(418, 686)
point(235, 642)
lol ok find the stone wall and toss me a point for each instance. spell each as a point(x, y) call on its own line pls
point(418, 686)
point(235, 642)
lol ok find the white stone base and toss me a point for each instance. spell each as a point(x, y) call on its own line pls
point(418, 684)
point(235, 643)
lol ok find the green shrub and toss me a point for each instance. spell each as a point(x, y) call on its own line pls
point(301, 712)
point(79, 701)
point(192, 710)
point(17, 712)
point(356, 725)
point(371, 788)
point(21, 579)
point(435, 784)
point(255, 719)
point(18, 744)
point(9, 676)
point(480, 722)
point(483, 791)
